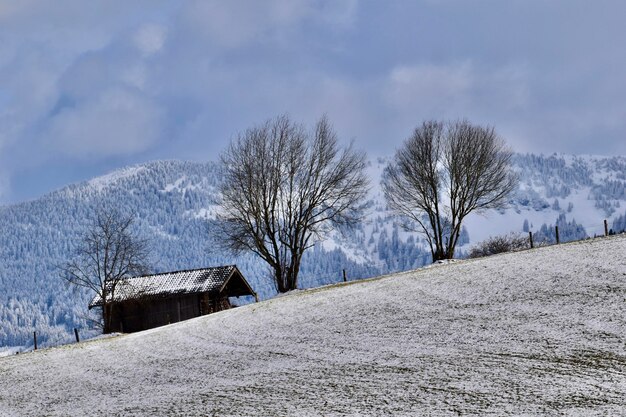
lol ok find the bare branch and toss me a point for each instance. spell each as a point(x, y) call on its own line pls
point(285, 188)
point(445, 171)
point(109, 253)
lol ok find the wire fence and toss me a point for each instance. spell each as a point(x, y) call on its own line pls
point(562, 232)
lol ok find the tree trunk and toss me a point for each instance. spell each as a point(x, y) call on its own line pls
point(281, 280)
point(106, 318)
point(287, 279)
point(294, 271)
point(439, 254)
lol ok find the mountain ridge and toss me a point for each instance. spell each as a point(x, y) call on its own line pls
point(175, 203)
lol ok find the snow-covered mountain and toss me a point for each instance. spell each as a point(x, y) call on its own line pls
point(539, 332)
point(577, 192)
point(175, 203)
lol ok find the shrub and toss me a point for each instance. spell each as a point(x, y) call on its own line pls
point(499, 244)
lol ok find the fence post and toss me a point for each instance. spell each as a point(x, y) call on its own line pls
point(556, 228)
point(606, 228)
point(76, 334)
point(344, 276)
point(35, 339)
point(530, 237)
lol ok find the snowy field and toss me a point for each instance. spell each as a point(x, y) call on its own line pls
point(541, 332)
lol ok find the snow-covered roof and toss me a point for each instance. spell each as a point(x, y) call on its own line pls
point(179, 282)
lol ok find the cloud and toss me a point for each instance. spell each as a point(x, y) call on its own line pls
point(238, 23)
point(116, 122)
point(150, 38)
point(430, 89)
point(500, 96)
point(27, 89)
point(105, 103)
point(457, 88)
point(125, 81)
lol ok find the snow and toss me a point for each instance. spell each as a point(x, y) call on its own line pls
point(104, 181)
point(175, 282)
point(181, 185)
point(532, 333)
point(10, 350)
point(185, 184)
point(482, 226)
point(209, 212)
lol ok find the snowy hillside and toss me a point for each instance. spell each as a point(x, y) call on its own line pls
point(577, 192)
point(175, 203)
point(539, 332)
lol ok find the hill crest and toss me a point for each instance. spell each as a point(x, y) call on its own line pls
point(534, 332)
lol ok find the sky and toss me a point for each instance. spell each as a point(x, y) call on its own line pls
point(88, 87)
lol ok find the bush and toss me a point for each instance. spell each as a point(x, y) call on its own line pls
point(499, 244)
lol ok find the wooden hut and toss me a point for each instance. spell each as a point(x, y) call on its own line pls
point(149, 301)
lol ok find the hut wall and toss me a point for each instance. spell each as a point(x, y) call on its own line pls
point(136, 315)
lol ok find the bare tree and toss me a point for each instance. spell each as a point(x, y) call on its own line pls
point(443, 172)
point(284, 189)
point(109, 253)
